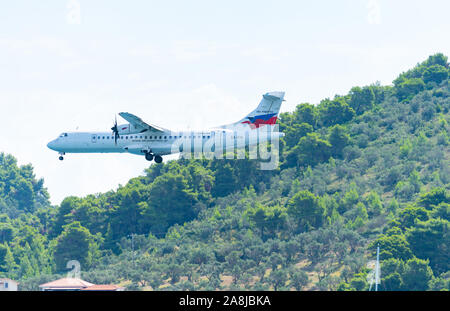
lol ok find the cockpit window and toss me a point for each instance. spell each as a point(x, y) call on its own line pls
point(63, 135)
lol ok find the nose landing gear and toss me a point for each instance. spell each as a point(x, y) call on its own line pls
point(61, 156)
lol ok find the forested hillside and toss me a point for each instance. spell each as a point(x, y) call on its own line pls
point(368, 168)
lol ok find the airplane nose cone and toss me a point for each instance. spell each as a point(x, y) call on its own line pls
point(51, 145)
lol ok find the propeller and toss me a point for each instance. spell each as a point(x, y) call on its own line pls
point(115, 130)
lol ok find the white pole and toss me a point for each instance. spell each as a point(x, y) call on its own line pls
point(377, 269)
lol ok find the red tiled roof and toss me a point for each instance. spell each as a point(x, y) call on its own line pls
point(66, 283)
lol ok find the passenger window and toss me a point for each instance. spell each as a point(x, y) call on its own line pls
point(126, 137)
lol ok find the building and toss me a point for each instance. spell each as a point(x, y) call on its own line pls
point(104, 288)
point(65, 284)
point(75, 284)
point(8, 285)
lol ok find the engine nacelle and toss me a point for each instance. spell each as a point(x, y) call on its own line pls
point(126, 129)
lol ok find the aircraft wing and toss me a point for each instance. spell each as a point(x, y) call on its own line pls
point(138, 123)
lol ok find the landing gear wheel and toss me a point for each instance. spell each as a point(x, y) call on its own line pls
point(149, 156)
point(61, 158)
point(158, 158)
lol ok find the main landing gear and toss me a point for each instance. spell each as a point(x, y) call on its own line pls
point(150, 157)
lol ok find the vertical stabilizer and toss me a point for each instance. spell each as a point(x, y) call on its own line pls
point(265, 114)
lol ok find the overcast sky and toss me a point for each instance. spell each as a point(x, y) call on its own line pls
point(68, 65)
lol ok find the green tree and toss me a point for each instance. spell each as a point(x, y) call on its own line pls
point(361, 99)
point(306, 113)
point(171, 201)
point(74, 243)
point(435, 73)
point(360, 216)
point(335, 111)
point(295, 132)
point(307, 210)
point(441, 211)
point(278, 278)
point(257, 217)
point(375, 207)
point(10, 265)
point(298, 279)
point(359, 282)
point(24, 194)
point(430, 240)
point(410, 214)
point(417, 275)
point(6, 232)
point(310, 150)
point(267, 219)
point(201, 256)
point(414, 180)
point(25, 268)
point(394, 246)
point(125, 211)
point(407, 88)
point(437, 59)
point(392, 265)
point(433, 197)
point(64, 214)
point(349, 200)
point(225, 180)
point(338, 139)
point(392, 282)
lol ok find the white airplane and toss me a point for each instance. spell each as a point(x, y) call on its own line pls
point(138, 137)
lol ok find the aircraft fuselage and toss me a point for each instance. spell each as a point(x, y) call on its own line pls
point(157, 143)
